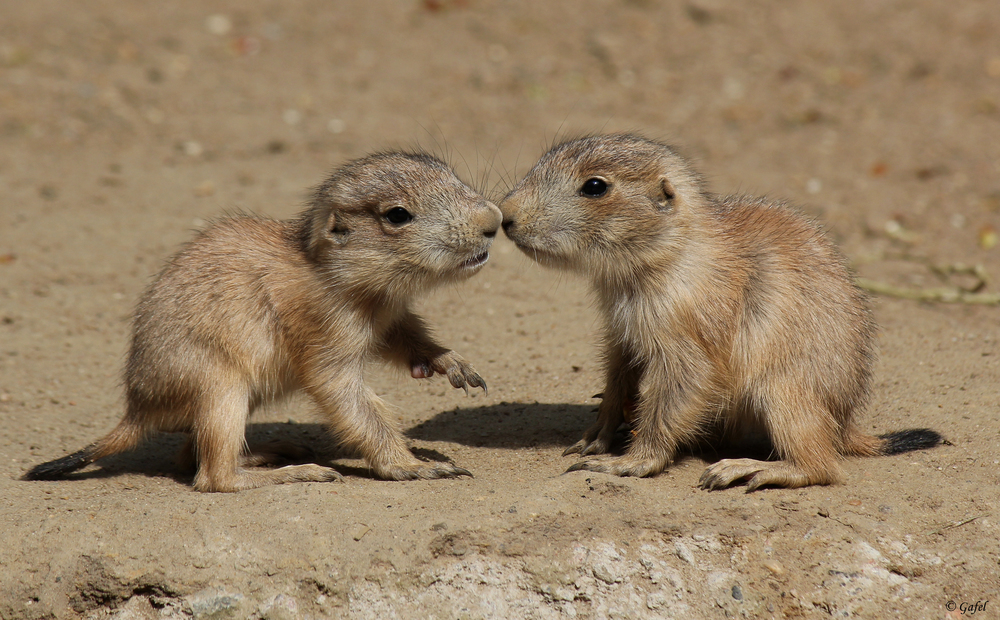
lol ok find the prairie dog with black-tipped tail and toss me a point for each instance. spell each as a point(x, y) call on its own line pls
point(721, 313)
point(254, 309)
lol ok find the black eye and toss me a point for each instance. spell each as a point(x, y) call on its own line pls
point(398, 215)
point(594, 187)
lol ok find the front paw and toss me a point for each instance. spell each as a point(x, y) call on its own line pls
point(460, 373)
point(621, 466)
point(728, 471)
point(418, 470)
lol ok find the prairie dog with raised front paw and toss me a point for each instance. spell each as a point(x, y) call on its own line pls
point(721, 313)
point(254, 309)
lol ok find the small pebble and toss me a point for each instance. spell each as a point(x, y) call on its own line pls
point(246, 46)
point(601, 572)
point(218, 24)
point(192, 148)
point(988, 237)
point(358, 532)
point(683, 552)
point(213, 603)
point(656, 600)
point(737, 593)
point(774, 566)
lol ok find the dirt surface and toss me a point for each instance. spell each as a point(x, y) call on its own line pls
point(126, 125)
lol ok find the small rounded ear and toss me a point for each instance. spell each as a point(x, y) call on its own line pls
point(336, 230)
point(665, 194)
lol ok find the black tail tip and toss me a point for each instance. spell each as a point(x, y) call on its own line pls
point(57, 469)
point(909, 440)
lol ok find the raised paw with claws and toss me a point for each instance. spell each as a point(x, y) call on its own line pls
point(460, 372)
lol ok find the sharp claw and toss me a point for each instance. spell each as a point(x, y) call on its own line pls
point(465, 387)
point(574, 449)
point(461, 471)
point(576, 466)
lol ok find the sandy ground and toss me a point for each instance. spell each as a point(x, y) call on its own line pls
point(126, 125)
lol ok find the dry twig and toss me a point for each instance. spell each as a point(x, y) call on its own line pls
point(957, 524)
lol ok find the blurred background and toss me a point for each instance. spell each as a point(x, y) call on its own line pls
point(874, 107)
point(125, 125)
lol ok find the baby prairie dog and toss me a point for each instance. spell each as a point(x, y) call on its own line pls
point(254, 309)
point(729, 314)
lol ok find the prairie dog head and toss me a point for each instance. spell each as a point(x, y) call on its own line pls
point(398, 222)
point(602, 204)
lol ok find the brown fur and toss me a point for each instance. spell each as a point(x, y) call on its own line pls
point(729, 312)
point(254, 309)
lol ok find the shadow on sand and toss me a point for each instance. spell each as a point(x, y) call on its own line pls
point(508, 425)
point(504, 425)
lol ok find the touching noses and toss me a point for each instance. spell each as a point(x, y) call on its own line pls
point(507, 219)
point(492, 225)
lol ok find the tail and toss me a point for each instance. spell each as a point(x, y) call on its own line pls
point(909, 440)
point(856, 443)
point(126, 436)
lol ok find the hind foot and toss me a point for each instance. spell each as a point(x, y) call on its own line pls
point(419, 470)
point(758, 474)
point(241, 480)
point(622, 466)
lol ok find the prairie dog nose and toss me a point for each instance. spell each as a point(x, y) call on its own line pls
point(492, 225)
